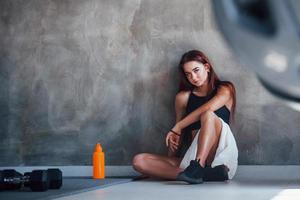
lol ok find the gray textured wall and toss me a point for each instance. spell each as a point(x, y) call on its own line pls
point(76, 72)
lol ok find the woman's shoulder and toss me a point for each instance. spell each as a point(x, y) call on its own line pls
point(228, 84)
point(225, 87)
point(183, 96)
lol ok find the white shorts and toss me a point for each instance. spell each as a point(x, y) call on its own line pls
point(226, 154)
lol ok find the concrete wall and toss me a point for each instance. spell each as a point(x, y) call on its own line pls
point(76, 72)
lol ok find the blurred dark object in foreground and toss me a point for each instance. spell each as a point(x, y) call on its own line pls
point(264, 35)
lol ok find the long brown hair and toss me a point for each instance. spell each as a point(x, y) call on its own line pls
point(213, 80)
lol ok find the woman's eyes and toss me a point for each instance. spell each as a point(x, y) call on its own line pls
point(190, 74)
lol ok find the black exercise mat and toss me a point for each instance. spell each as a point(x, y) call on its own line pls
point(70, 186)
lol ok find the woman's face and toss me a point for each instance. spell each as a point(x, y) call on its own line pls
point(196, 73)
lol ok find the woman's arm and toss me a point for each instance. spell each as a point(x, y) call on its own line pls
point(222, 96)
point(180, 105)
point(180, 109)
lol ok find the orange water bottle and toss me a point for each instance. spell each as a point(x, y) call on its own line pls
point(98, 163)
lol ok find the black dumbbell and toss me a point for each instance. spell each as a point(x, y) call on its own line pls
point(37, 180)
point(41, 180)
point(10, 179)
point(55, 178)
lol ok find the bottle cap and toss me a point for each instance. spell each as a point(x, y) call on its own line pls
point(98, 148)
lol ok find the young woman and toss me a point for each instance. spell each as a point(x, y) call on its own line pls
point(204, 107)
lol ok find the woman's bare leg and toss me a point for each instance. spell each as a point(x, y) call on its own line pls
point(208, 139)
point(157, 166)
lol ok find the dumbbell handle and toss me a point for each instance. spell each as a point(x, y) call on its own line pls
point(16, 180)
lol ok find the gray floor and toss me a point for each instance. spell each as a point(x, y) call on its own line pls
point(259, 183)
point(70, 186)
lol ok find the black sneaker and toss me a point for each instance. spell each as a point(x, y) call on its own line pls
point(218, 173)
point(193, 174)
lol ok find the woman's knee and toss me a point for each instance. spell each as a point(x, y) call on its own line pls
point(139, 161)
point(208, 115)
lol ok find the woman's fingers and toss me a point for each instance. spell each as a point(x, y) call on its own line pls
point(167, 139)
point(175, 139)
point(174, 143)
point(172, 139)
point(173, 147)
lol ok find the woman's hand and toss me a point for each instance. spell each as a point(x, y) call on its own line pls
point(173, 139)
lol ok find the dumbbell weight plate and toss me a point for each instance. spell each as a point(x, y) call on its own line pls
point(39, 180)
point(55, 178)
